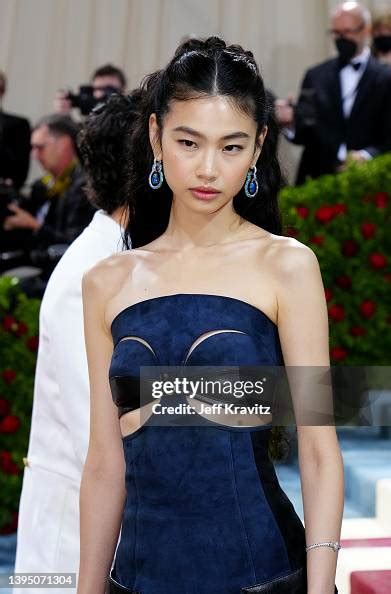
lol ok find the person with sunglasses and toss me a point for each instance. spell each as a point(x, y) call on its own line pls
point(342, 113)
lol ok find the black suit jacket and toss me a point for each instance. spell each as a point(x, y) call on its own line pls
point(320, 124)
point(14, 148)
point(67, 215)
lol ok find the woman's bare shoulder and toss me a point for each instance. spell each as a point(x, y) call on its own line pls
point(105, 278)
point(290, 257)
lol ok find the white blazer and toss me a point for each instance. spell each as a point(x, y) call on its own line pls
point(48, 529)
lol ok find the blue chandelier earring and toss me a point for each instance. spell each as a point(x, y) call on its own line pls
point(156, 176)
point(251, 185)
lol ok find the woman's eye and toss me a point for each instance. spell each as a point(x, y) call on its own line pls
point(187, 143)
point(233, 148)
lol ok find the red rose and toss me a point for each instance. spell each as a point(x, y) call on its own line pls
point(350, 247)
point(317, 239)
point(368, 230)
point(324, 214)
point(336, 312)
point(4, 407)
point(21, 329)
point(338, 353)
point(377, 260)
point(367, 308)
point(32, 343)
point(339, 208)
point(344, 281)
point(303, 211)
point(9, 323)
point(291, 232)
point(7, 465)
point(357, 331)
point(10, 424)
point(381, 200)
point(8, 375)
point(328, 294)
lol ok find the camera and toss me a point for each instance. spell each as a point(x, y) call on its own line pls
point(8, 194)
point(85, 100)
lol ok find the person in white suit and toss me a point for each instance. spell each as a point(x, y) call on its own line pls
point(48, 528)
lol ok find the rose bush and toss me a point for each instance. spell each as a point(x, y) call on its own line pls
point(18, 352)
point(345, 220)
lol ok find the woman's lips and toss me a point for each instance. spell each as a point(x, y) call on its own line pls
point(204, 193)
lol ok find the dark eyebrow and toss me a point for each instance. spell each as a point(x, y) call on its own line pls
point(187, 130)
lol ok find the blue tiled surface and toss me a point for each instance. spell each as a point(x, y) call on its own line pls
point(367, 458)
point(7, 557)
point(6, 569)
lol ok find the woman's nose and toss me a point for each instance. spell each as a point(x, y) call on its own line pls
point(207, 166)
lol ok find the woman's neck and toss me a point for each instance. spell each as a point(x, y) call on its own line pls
point(189, 229)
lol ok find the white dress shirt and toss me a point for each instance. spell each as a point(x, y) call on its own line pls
point(48, 529)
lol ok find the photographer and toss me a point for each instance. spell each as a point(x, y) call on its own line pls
point(59, 209)
point(343, 112)
point(105, 80)
point(14, 145)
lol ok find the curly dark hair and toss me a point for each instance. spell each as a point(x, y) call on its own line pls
point(201, 68)
point(101, 143)
point(205, 68)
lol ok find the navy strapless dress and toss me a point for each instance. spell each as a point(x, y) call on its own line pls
point(204, 511)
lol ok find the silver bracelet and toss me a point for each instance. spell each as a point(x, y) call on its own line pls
point(333, 545)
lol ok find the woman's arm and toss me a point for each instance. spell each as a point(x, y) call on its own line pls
point(102, 494)
point(303, 330)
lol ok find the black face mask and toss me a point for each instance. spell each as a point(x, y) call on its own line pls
point(382, 43)
point(346, 49)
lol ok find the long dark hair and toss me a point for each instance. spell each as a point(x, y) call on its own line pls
point(205, 68)
point(201, 68)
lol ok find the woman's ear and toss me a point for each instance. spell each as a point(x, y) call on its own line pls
point(154, 137)
point(260, 141)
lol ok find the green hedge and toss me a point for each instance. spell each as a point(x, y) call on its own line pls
point(345, 220)
point(18, 352)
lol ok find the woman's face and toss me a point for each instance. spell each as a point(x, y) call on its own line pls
point(207, 148)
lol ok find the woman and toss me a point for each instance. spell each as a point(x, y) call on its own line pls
point(214, 283)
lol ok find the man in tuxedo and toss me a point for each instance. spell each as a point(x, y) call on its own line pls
point(14, 143)
point(343, 112)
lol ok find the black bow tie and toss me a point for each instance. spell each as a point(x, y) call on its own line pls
point(355, 65)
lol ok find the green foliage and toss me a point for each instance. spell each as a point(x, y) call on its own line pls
point(18, 352)
point(345, 220)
